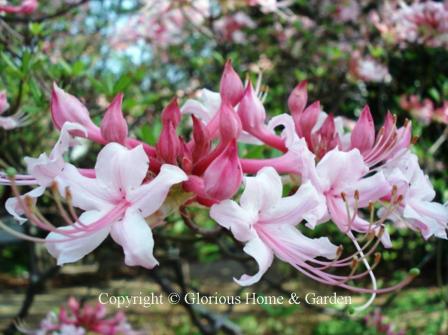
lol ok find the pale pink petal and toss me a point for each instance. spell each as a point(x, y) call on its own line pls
point(121, 168)
point(46, 168)
point(306, 204)
point(430, 218)
point(135, 237)
point(13, 207)
point(262, 255)
point(238, 220)
point(370, 189)
point(263, 190)
point(291, 245)
point(338, 170)
point(205, 108)
point(149, 197)
point(289, 131)
point(87, 193)
point(75, 249)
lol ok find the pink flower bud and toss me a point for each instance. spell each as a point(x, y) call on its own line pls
point(328, 129)
point(66, 108)
point(363, 134)
point(326, 137)
point(229, 123)
point(297, 99)
point(223, 177)
point(113, 126)
point(251, 111)
point(231, 87)
point(171, 113)
point(168, 147)
point(308, 120)
point(201, 139)
point(3, 102)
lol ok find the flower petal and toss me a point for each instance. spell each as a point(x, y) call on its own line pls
point(306, 204)
point(121, 168)
point(87, 193)
point(262, 191)
point(46, 168)
point(338, 170)
point(290, 245)
point(370, 189)
point(13, 207)
point(238, 220)
point(75, 249)
point(430, 218)
point(149, 197)
point(262, 255)
point(135, 237)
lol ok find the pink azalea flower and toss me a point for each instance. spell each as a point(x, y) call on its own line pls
point(115, 202)
point(342, 178)
point(266, 222)
point(416, 208)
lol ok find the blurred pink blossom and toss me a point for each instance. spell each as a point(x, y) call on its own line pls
point(77, 319)
point(368, 69)
point(423, 22)
point(424, 110)
point(25, 7)
point(162, 22)
point(231, 27)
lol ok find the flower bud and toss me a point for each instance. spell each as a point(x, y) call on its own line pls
point(171, 113)
point(113, 126)
point(308, 120)
point(201, 139)
point(231, 87)
point(229, 123)
point(223, 176)
point(297, 99)
point(363, 134)
point(168, 146)
point(66, 108)
point(251, 111)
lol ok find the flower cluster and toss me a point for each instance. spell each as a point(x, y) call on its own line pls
point(77, 319)
point(421, 23)
point(424, 110)
point(168, 23)
point(163, 23)
point(360, 179)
